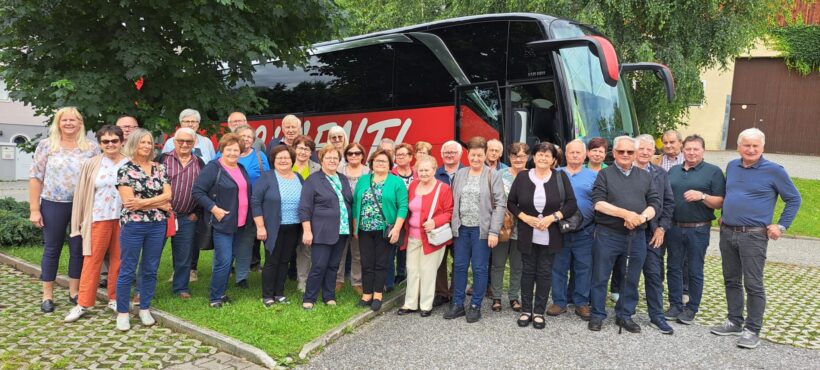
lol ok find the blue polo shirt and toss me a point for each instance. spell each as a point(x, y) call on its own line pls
point(582, 186)
point(441, 174)
point(706, 178)
point(751, 193)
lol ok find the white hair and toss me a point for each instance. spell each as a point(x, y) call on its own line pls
point(449, 143)
point(672, 132)
point(337, 130)
point(579, 141)
point(190, 113)
point(621, 138)
point(751, 133)
point(185, 130)
point(496, 141)
point(645, 138)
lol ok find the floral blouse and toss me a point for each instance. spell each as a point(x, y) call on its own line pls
point(107, 202)
point(63, 169)
point(131, 174)
point(371, 218)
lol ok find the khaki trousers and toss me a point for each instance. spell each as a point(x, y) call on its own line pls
point(421, 275)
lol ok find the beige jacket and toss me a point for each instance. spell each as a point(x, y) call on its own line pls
point(82, 210)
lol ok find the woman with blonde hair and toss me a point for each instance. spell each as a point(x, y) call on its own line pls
point(54, 174)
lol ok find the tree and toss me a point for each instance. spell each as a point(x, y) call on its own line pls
point(687, 35)
point(182, 53)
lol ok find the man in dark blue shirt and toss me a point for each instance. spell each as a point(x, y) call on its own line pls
point(752, 187)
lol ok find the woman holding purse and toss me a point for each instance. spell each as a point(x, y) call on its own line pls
point(379, 209)
point(430, 207)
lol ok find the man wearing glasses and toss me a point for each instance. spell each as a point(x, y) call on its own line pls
point(236, 119)
point(451, 162)
point(127, 124)
point(204, 147)
point(624, 199)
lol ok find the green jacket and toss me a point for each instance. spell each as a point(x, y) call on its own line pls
point(394, 198)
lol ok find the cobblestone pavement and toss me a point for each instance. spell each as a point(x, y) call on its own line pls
point(30, 339)
point(496, 341)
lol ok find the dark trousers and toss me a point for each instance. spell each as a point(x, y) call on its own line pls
point(575, 257)
point(536, 276)
point(375, 254)
point(443, 286)
point(324, 264)
point(617, 277)
point(56, 217)
point(744, 255)
point(609, 245)
point(686, 244)
point(194, 257)
point(181, 245)
point(275, 270)
point(653, 279)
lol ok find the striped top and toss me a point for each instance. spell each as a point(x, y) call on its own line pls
point(182, 182)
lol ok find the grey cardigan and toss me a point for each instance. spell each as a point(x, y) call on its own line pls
point(491, 218)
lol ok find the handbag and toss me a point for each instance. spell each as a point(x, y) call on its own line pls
point(386, 231)
point(443, 233)
point(505, 232)
point(573, 222)
point(204, 239)
point(172, 226)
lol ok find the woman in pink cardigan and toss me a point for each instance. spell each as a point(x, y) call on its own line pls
point(423, 258)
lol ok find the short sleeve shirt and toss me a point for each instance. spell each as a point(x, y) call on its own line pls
point(107, 202)
point(145, 186)
point(59, 171)
point(706, 178)
point(290, 192)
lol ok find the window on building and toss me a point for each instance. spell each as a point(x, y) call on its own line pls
point(4, 95)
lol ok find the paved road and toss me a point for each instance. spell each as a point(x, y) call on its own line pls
point(802, 166)
point(15, 189)
point(30, 339)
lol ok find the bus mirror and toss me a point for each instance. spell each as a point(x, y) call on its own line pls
point(599, 46)
point(662, 72)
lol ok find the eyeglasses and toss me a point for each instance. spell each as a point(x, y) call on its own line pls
point(339, 138)
point(381, 161)
point(185, 142)
point(624, 152)
point(521, 157)
point(112, 141)
point(190, 122)
point(127, 127)
point(302, 149)
point(331, 159)
point(238, 121)
point(402, 155)
point(449, 153)
point(354, 154)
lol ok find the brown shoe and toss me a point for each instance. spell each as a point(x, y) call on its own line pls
point(339, 286)
point(555, 310)
point(184, 295)
point(358, 289)
point(583, 311)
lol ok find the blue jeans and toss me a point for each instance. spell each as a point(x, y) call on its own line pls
point(243, 249)
point(324, 264)
point(181, 245)
point(577, 253)
point(224, 245)
point(147, 239)
point(469, 248)
point(653, 279)
point(690, 243)
point(609, 245)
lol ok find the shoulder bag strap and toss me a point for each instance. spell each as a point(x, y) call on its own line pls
point(435, 201)
point(378, 200)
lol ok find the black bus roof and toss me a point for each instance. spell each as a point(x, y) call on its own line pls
point(444, 23)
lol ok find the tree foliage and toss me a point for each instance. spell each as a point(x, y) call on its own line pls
point(800, 45)
point(687, 35)
point(189, 53)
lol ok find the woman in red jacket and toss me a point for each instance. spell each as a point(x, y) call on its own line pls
point(424, 258)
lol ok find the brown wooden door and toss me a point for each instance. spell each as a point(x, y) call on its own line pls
point(741, 117)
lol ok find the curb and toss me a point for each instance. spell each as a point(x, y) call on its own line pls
point(206, 336)
point(353, 322)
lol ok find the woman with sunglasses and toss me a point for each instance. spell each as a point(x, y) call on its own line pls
point(354, 168)
point(96, 217)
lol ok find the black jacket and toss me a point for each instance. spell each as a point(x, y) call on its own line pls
point(520, 200)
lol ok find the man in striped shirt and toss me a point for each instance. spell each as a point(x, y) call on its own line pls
point(183, 168)
point(672, 144)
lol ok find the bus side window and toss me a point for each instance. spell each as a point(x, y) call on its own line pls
point(421, 80)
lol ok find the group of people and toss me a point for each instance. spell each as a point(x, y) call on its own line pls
point(576, 231)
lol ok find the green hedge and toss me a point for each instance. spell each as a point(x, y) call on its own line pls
point(15, 228)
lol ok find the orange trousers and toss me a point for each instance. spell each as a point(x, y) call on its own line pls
point(105, 237)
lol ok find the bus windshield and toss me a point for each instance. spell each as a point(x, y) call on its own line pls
point(597, 108)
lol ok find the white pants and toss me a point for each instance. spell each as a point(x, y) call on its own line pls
point(421, 275)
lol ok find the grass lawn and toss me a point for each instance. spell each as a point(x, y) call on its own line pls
point(281, 330)
point(807, 222)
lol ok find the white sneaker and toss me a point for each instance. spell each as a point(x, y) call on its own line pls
point(75, 313)
point(123, 323)
point(112, 305)
point(614, 297)
point(171, 279)
point(146, 318)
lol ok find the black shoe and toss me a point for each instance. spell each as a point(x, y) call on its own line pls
point(376, 305)
point(400, 278)
point(455, 312)
point(426, 313)
point(439, 301)
point(242, 284)
point(473, 314)
point(628, 324)
point(405, 311)
point(539, 324)
point(363, 303)
point(73, 300)
point(225, 299)
point(524, 320)
point(47, 306)
point(595, 324)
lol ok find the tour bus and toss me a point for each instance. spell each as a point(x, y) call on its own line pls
point(513, 77)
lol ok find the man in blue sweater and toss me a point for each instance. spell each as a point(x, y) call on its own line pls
point(752, 187)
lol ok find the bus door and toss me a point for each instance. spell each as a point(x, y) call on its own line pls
point(533, 114)
point(478, 112)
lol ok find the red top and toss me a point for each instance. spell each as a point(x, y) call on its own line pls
point(441, 216)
